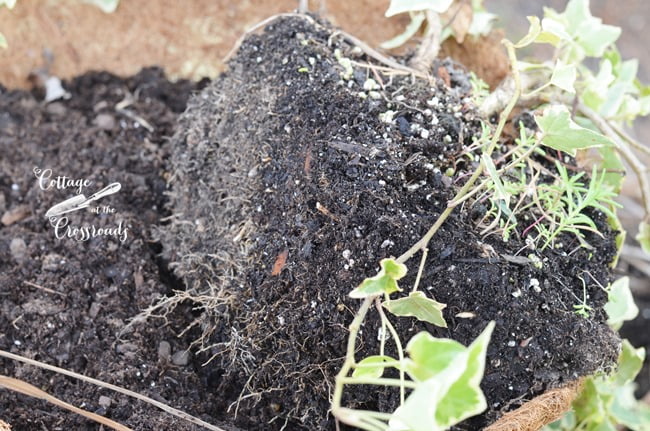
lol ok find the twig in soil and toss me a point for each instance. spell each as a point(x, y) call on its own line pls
point(164, 407)
point(120, 108)
point(25, 388)
point(370, 52)
point(46, 289)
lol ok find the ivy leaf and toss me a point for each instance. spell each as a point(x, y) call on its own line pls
point(401, 6)
point(372, 366)
point(560, 132)
point(553, 32)
point(585, 34)
point(465, 398)
point(644, 236)
point(419, 306)
point(418, 413)
point(589, 403)
point(620, 305)
point(564, 76)
point(385, 282)
point(630, 362)
point(533, 32)
point(450, 392)
point(416, 22)
point(430, 356)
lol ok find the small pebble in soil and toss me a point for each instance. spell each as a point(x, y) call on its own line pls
point(534, 283)
point(104, 121)
point(105, 401)
point(181, 358)
point(164, 351)
point(52, 262)
point(18, 249)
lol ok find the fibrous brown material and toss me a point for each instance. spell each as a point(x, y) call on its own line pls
point(540, 411)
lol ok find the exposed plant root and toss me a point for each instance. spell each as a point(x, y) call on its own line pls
point(25, 388)
point(539, 411)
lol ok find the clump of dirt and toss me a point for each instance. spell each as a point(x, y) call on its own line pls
point(65, 302)
point(294, 174)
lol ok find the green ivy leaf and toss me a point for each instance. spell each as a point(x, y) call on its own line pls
point(401, 6)
point(589, 32)
point(620, 305)
point(430, 356)
point(419, 306)
point(644, 236)
point(608, 401)
point(450, 392)
point(553, 32)
point(589, 403)
point(373, 366)
point(564, 76)
point(560, 132)
point(628, 411)
point(533, 32)
point(385, 282)
point(630, 362)
point(465, 398)
point(418, 413)
point(416, 22)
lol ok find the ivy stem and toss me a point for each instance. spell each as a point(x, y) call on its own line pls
point(349, 361)
point(425, 252)
point(503, 118)
point(625, 151)
point(378, 382)
point(398, 344)
point(430, 45)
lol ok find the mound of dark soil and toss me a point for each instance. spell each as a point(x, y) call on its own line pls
point(64, 301)
point(291, 182)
